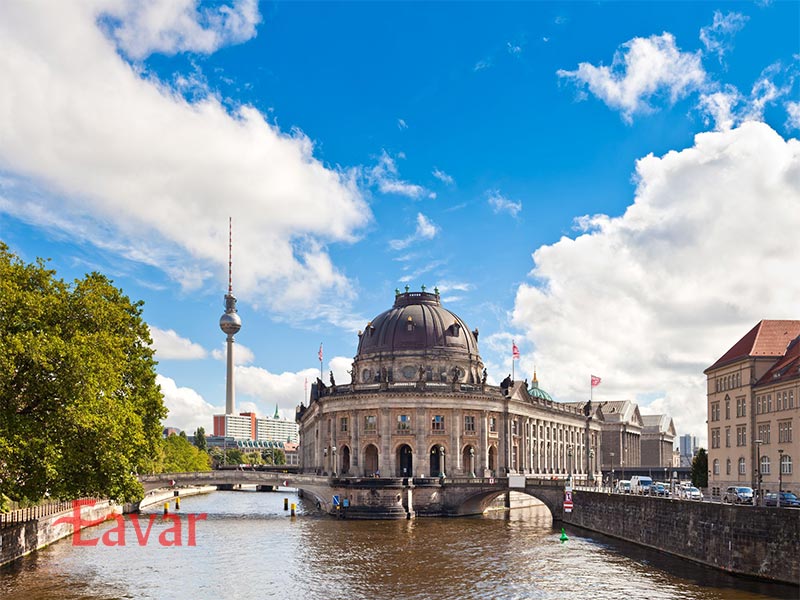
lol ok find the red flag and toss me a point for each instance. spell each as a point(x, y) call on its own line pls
point(595, 381)
point(320, 352)
point(514, 351)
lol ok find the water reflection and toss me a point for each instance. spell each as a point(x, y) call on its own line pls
point(250, 548)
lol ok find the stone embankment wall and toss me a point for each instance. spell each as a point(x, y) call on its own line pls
point(746, 540)
point(19, 539)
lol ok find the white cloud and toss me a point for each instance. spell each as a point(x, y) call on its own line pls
point(385, 175)
point(649, 299)
point(401, 124)
point(426, 230)
point(142, 27)
point(242, 355)
point(718, 37)
point(514, 49)
point(500, 203)
point(727, 107)
point(793, 112)
point(641, 70)
point(169, 344)
point(111, 156)
point(482, 64)
point(287, 389)
point(443, 177)
point(187, 409)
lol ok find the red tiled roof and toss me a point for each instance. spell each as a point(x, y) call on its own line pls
point(786, 368)
point(767, 338)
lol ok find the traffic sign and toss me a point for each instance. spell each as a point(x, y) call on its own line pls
point(336, 500)
point(568, 501)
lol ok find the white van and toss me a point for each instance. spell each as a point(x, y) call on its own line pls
point(640, 484)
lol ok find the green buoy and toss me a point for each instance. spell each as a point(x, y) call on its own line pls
point(564, 537)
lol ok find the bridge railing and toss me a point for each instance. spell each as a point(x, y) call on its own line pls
point(34, 513)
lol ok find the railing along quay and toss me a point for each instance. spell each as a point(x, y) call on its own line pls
point(34, 513)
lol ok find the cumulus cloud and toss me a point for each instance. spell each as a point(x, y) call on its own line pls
point(649, 299)
point(426, 230)
point(169, 345)
point(287, 389)
point(171, 26)
point(641, 70)
point(386, 177)
point(718, 37)
point(187, 409)
point(242, 355)
point(500, 203)
point(111, 156)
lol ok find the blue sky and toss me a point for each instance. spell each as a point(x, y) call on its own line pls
point(614, 186)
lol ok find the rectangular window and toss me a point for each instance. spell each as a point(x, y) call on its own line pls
point(343, 425)
point(727, 437)
point(514, 430)
point(785, 432)
point(728, 467)
point(742, 467)
point(469, 424)
point(763, 433)
point(437, 423)
point(741, 435)
point(403, 422)
point(791, 398)
point(715, 411)
point(769, 403)
point(492, 424)
point(715, 438)
point(727, 409)
point(370, 423)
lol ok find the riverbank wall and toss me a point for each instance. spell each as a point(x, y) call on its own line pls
point(166, 495)
point(743, 540)
point(20, 539)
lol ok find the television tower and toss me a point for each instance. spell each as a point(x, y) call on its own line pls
point(230, 323)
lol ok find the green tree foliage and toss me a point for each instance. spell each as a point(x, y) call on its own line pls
point(273, 456)
point(200, 439)
point(80, 410)
point(700, 469)
point(182, 457)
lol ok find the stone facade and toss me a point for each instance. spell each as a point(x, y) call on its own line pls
point(418, 405)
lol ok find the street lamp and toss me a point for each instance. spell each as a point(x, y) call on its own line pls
point(612, 470)
point(780, 475)
point(325, 461)
point(333, 466)
point(758, 467)
point(569, 464)
point(591, 464)
point(441, 462)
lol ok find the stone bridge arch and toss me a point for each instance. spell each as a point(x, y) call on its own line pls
point(470, 499)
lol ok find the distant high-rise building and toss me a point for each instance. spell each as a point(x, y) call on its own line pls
point(688, 448)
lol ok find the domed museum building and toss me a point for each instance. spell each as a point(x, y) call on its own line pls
point(418, 405)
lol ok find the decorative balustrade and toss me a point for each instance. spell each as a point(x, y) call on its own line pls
point(34, 513)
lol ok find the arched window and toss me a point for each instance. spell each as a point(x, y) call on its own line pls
point(716, 466)
point(765, 465)
point(786, 465)
point(742, 466)
point(728, 467)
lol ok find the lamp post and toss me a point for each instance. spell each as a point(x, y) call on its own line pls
point(612, 471)
point(325, 461)
point(333, 460)
point(780, 475)
point(569, 464)
point(441, 462)
point(758, 468)
point(591, 464)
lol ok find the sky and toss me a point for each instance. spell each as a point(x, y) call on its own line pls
point(612, 186)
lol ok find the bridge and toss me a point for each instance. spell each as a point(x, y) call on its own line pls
point(381, 498)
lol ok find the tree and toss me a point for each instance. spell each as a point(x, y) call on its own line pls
point(700, 469)
point(182, 457)
point(80, 410)
point(200, 439)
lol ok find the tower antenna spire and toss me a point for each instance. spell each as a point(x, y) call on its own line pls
point(230, 255)
point(230, 323)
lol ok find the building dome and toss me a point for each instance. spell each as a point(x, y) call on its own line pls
point(536, 392)
point(417, 340)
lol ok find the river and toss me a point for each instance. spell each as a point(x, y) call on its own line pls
point(250, 548)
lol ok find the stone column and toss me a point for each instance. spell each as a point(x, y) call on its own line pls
point(385, 459)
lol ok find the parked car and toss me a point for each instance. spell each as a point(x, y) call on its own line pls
point(694, 494)
point(640, 484)
point(738, 494)
point(787, 499)
point(659, 489)
point(623, 487)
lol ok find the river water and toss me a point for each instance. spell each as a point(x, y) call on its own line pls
point(250, 548)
